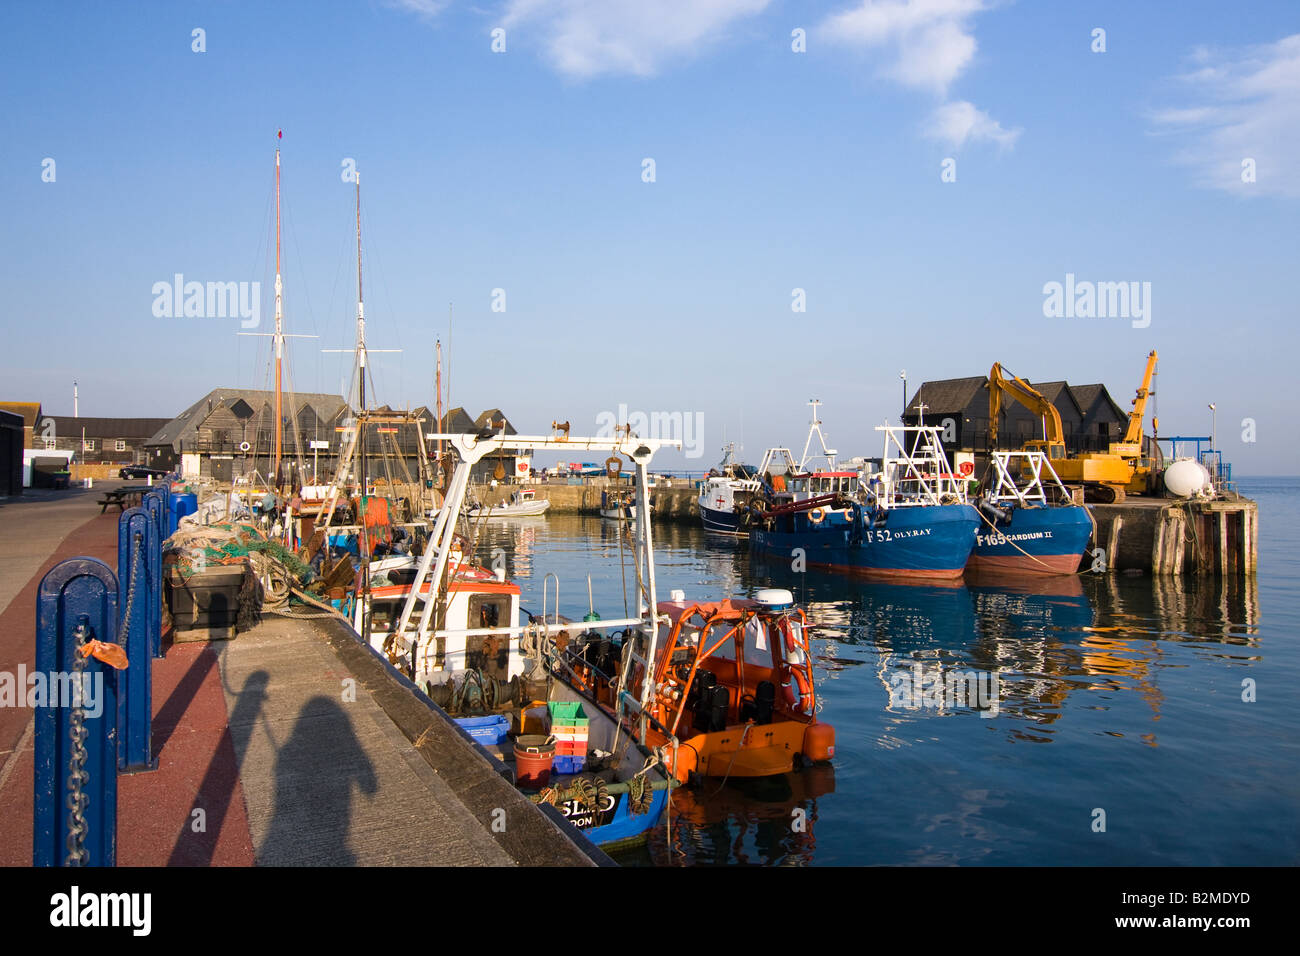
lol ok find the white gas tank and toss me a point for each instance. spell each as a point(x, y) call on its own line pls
point(1187, 477)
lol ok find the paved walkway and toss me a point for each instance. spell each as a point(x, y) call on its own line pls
point(290, 745)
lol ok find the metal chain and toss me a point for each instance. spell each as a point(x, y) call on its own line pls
point(125, 628)
point(77, 800)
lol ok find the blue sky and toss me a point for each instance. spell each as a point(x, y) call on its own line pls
point(774, 171)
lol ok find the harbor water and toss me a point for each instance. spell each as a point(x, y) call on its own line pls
point(1099, 719)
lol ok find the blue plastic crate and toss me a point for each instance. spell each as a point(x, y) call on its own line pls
point(486, 730)
point(568, 763)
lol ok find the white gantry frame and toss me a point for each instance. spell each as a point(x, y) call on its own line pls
point(471, 448)
point(919, 475)
point(816, 429)
point(1033, 467)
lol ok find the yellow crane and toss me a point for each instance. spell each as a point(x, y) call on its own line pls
point(1106, 476)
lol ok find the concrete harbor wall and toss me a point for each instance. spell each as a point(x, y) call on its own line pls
point(674, 502)
point(1162, 536)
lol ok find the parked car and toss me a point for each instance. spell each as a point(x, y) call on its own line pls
point(140, 471)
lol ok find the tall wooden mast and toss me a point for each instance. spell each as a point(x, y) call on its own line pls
point(361, 353)
point(279, 329)
point(439, 388)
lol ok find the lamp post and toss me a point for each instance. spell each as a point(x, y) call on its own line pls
point(1214, 433)
point(902, 374)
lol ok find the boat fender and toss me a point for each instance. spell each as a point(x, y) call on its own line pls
point(819, 743)
point(994, 512)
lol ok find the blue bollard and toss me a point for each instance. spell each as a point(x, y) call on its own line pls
point(153, 504)
point(136, 540)
point(164, 489)
point(75, 810)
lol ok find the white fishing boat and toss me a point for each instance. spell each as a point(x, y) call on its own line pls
point(458, 631)
point(726, 493)
point(522, 504)
point(620, 504)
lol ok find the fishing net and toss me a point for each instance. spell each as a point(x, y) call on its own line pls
point(192, 550)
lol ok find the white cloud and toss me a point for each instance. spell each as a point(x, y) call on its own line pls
point(585, 38)
point(928, 42)
point(925, 45)
point(1243, 104)
point(960, 122)
point(425, 9)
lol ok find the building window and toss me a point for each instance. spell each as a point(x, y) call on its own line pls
point(88, 444)
point(120, 445)
point(50, 444)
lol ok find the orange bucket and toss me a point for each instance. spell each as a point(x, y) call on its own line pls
point(533, 756)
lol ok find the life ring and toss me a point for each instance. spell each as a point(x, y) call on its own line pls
point(966, 468)
point(817, 515)
point(244, 446)
point(795, 676)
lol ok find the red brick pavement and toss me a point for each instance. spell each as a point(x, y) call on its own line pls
point(197, 765)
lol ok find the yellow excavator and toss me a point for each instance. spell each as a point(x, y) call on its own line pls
point(1105, 476)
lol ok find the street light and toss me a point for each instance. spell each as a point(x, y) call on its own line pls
point(902, 374)
point(1214, 415)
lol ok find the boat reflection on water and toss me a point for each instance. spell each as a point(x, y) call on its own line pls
point(512, 540)
point(762, 820)
point(1098, 665)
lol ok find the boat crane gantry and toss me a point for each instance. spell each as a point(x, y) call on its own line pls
point(471, 448)
point(816, 429)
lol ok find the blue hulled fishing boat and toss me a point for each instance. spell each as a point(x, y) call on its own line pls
point(906, 519)
point(1029, 524)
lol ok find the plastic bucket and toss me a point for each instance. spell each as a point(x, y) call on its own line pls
point(533, 756)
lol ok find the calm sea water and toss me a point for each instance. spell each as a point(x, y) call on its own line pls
point(1121, 701)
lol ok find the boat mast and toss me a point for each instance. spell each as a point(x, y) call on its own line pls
point(361, 352)
point(279, 326)
point(439, 388)
point(363, 536)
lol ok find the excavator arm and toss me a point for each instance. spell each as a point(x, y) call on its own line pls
point(1028, 396)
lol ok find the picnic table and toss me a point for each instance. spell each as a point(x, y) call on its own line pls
point(126, 495)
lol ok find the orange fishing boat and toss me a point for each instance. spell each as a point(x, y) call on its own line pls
point(730, 691)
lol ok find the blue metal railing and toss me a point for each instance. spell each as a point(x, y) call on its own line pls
point(95, 719)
